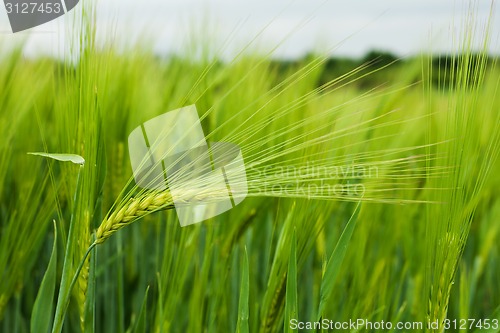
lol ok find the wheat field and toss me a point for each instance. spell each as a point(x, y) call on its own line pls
point(372, 192)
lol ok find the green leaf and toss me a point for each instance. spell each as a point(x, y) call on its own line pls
point(67, 271)
point(77, 159)
point(242, 325)
point(43, 307)
point(335, 261)
point(140, 325)
point(291, 304)
point(89, 308)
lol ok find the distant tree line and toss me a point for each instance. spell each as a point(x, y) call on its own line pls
point(380, 68)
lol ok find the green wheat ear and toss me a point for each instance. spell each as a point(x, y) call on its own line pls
point(134, 209)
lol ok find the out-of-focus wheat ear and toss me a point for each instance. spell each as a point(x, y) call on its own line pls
point(81, 291)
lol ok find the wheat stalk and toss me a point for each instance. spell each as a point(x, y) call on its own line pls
point(438, 303)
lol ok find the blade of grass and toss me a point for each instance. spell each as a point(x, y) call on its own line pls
point(335, 262)
point(291, 305)
point(90, 301)
point(64, 288)
point(44, 302)
point(242, 324)
point(140, 325)
point(77, 159)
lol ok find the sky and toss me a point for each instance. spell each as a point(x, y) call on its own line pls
point(347, 28)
